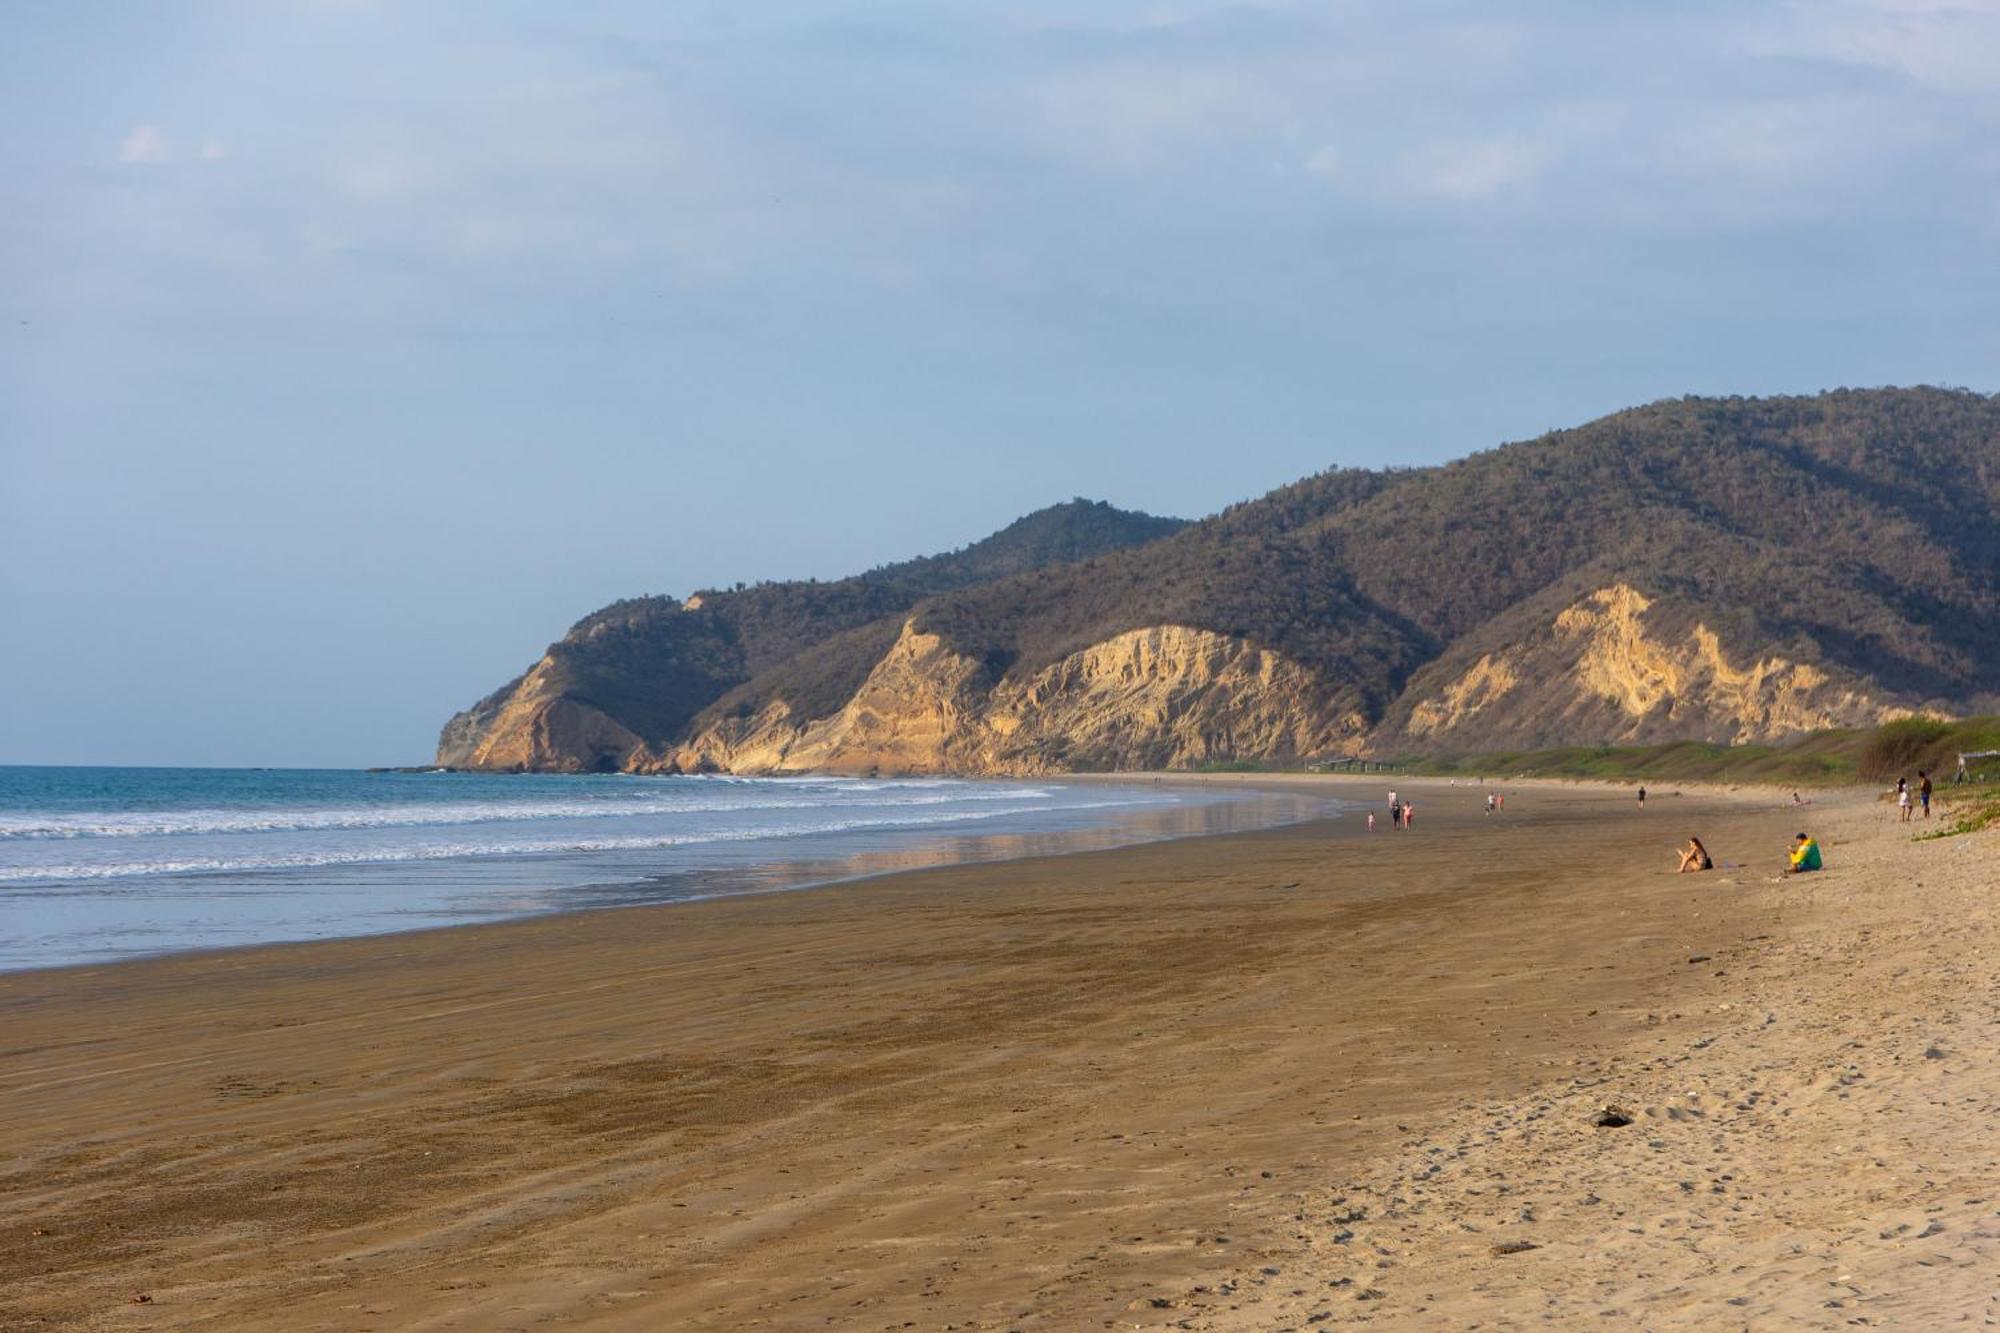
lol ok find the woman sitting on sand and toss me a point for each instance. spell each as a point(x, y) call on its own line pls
point(1695, 858)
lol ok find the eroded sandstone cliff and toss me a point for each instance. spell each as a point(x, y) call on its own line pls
point(1161, 697)
point(1603, 668)
point(635, 674)
point(538, 727)
point(1714, 570)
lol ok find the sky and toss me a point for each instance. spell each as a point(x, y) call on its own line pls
point(350, 351)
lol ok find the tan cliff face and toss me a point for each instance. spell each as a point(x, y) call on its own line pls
point(1171, 697)
point(1490, 680)
point(1168, 696)
point(538, 728)
point(1548, 592)
point(1601, 664)
point(911, 714)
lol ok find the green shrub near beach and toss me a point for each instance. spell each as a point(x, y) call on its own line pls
point(1898, 748)
point(1817, 759)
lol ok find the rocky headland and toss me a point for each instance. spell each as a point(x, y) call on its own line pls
point(1724, 570)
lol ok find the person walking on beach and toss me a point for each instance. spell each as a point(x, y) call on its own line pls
point(1371, 821)
point(1409, 813)
point(1489, 802)
point(1902, 803)
point(1642, 798)
point(1924, 791)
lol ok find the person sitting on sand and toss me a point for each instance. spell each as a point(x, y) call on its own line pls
point(1804, 857)
point(1696, 858)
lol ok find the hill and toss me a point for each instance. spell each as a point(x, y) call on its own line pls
point(1716, 570)
point(630, 676)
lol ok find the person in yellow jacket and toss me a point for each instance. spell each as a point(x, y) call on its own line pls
point(1805, 856)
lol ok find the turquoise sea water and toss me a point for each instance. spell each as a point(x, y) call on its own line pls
point(105, 863)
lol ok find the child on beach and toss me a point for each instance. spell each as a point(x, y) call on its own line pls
point(1371, 821)
point(1903, 803)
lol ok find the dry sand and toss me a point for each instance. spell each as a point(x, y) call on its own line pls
point(1282, 1080)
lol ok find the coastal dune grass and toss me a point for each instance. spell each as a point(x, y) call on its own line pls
point(1831, 758)
point(1914, 743)
point(1836, 757)
point(1967, 809)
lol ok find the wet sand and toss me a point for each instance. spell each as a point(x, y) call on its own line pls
point(1287, 1079)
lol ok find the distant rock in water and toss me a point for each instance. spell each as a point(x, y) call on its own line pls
point(1697, 569)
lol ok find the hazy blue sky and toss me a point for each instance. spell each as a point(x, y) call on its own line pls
point(349, 351)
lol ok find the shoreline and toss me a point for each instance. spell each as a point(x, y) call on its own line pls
point(823, 869)
point(1114, 1087)
point(1272, 782)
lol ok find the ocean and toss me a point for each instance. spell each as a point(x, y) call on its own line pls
point(98, 864)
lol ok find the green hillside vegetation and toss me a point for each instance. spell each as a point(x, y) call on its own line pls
point(1928, 745)
point(654, 662)
point(1855, 527)
point(1817, 759)
point(1855, 533)
point(1057, 535)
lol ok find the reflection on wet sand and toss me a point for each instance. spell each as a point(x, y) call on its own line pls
point(100, 920)
point(1240, 812)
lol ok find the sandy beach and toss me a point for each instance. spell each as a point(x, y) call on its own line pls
point(1290, 1079)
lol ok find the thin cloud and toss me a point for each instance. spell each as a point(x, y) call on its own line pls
point(145, 145)
point(1478, 170)
point(945, 148)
